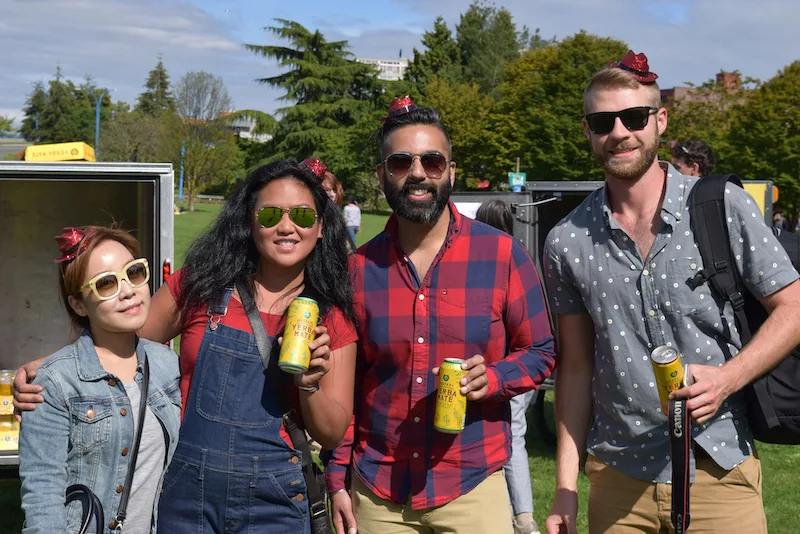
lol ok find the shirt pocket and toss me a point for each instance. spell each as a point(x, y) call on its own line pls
point(463, 316)
point(91, 424)
point(680, 298)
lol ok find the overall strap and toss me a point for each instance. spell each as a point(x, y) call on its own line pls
point(296, 432)
point(219, 308)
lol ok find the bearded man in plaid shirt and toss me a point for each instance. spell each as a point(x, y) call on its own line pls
point(434, 285)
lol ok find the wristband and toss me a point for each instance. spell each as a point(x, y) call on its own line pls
point(309, 389)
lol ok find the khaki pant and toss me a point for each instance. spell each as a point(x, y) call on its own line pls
point(719, 501)
point(484, 510)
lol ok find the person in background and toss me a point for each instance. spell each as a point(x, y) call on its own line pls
point(333, 188)
point(693, 158)
point(92, 393)
point(352, 218)
point(497, 213)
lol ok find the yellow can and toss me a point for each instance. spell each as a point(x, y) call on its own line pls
point(9, 433)
point(668, 369)
point(451, 405)
point(298, 334)
point(6, 398)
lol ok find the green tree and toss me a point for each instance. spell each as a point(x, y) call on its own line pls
point(34, 108)
point(706, 114)
point(538, 117)
point(64, 112)
point(211, 154)
point(466, 113)
point(487, 38)
point(136, 137)
point(440, 59)
point(157, 96)
point(765, 135)
point(326, 89)
point(6, 125)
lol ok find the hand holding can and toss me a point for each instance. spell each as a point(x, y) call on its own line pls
point(298, 334)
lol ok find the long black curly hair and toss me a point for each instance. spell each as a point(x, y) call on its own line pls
point(226, 255)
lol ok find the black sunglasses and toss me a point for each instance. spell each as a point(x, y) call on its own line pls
point(399, 164)
point(632, 118)
point(269, 216)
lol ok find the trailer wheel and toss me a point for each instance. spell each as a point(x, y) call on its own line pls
point(540, 419)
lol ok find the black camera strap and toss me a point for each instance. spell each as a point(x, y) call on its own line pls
point(680, 443)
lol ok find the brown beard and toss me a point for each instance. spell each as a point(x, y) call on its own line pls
point(628, 170)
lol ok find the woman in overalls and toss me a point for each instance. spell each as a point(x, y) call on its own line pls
point(234, 470)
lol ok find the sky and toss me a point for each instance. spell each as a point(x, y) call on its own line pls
point(118, 41)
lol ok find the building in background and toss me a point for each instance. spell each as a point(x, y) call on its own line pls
point(391, 69)
point(730, 80)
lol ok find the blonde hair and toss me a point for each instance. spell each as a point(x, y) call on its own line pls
point(610, 78)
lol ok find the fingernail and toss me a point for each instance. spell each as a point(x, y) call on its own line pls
point(351, 531)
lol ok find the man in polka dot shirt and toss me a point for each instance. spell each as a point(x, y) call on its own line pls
point(616, 271)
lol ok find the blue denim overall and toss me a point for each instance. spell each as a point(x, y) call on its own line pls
point(232, 471)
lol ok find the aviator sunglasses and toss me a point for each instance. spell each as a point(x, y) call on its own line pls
point(107, 285)
point(632, 118)
point(269, 216)
point(399, 164)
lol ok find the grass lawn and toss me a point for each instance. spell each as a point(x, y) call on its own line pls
point(779, 462)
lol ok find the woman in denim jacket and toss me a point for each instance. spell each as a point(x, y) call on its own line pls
point(84, 432)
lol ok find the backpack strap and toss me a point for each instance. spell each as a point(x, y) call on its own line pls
point(710, 228)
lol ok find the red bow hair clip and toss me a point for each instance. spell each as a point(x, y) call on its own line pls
point(316, 166)
point(400, 106)
point(636, 65)
point(71, 242)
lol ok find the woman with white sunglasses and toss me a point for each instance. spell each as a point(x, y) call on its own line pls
point(94, 428)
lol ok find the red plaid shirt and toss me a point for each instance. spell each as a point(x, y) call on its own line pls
point(481, 295)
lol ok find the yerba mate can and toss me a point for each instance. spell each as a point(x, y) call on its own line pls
point(451, 405)
point(668, 368)
point(6, 398)
point(298, 334)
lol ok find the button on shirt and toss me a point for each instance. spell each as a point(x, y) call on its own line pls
point(481, 295)
point(592, 266)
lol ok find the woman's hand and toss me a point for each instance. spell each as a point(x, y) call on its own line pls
point(320, 359)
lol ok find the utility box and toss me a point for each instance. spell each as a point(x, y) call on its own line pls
point(36, 201)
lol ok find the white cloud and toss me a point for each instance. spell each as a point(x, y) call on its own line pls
point(117, 42)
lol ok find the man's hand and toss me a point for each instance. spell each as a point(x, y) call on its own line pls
point(712, 385)
point(474, 384)
point(26, 395)
point(342, 511)
point(563, 513)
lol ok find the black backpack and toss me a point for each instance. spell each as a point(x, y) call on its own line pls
point(773, 401)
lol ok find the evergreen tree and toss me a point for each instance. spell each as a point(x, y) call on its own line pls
point(157, 96)
point(327, 90)
point(34, 109)
point(6, 125)
point(487, 38)
point(441, 59)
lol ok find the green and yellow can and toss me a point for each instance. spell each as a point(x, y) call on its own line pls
point(668, 369)
point(298, 334)
point(451, 405)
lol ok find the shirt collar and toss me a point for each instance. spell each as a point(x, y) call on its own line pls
point(673, 203)
point(89, 367)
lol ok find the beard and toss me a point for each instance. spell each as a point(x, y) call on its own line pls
point(426, 211)
point(629, 168)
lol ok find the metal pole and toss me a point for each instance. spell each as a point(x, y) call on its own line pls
point(97, 124)
point(517, 163)
point(180, 182)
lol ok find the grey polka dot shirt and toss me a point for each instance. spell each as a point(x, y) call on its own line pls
point(592, 266)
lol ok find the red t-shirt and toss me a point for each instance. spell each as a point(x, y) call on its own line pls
point(341, 331)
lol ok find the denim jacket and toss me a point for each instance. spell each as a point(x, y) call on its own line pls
point(77, 435)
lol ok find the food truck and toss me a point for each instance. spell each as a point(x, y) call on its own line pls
point(38, 199)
